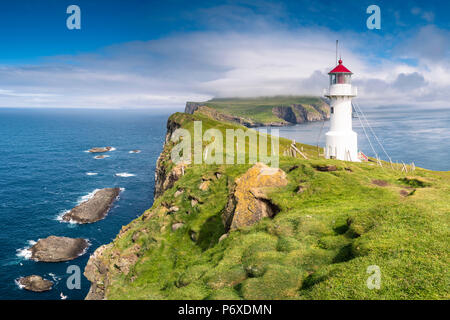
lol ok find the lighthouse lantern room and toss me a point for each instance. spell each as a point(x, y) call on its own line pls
point(341, 140)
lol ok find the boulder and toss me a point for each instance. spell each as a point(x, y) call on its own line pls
point(95, 208)
point(177, 226)
point(100, 150)
point(204, 186)
point(101, 157)
point(249, 202)
point(173, 209)
point(57, 249)
point(35, 283)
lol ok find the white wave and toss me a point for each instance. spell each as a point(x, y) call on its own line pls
point(16, 281)
point(125, 175)
point(60, 215)
point(112, 149)
point(91, 173)
point(134, 151)
point(87, 197)
point(25, 253)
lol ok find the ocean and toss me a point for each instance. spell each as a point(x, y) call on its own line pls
point(45, 170)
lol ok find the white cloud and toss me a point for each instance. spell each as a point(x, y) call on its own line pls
point(198, 66)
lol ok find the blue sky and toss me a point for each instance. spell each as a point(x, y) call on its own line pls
point(161, 53)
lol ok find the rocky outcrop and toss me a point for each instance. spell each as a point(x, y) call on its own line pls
point(300, 113)
point(100, 149)
point(248, 203)
point(191, 107)
point(164, 178)
point(58, 249)
point(95, 208)
point(35, 283)
point(107, 262)
point(285, 113)
point(96, 272)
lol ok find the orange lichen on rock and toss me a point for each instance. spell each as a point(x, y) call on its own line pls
point(250, 194)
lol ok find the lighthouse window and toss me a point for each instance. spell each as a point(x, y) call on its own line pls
point(340, 78)
point(332, 109)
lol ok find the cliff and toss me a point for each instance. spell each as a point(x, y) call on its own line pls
point(306, 230)
point(265, 111)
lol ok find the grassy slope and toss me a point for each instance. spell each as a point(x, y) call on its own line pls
point(260, 109)
point(318, 247)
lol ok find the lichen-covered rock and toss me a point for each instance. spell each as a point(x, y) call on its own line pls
point(249, 202)
point(35, 283)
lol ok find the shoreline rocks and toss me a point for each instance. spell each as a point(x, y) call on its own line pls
point(35, 283)
point(101, 157)
point(95, 208)
point(58, 249)
point(100, 149)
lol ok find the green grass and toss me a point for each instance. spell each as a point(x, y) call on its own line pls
point(260, 109)
point(317, 247)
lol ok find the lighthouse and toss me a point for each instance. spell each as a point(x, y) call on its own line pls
point(341, 140)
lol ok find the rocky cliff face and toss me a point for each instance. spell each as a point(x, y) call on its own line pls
point(161, 174)
point(299, 113)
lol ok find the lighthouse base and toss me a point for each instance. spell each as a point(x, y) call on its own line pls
point(342, 146)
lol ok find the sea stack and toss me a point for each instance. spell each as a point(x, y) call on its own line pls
point(35, 283)
point(95, 208)
point(58, 249)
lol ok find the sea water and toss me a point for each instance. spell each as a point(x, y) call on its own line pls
point(45, 171)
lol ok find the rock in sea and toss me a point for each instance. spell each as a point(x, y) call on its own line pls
point(58, 249)
point(35, 283)
point(100, 150)
point(95, 208)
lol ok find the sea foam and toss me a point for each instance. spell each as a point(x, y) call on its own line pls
point(125, 175)
point(25, 253)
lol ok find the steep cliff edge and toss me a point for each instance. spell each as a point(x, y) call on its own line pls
point(265, 111)
point(220, 232)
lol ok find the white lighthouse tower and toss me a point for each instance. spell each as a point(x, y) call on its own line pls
point(341, 140)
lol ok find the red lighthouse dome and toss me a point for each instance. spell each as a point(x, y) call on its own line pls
point(340, 68)
point(340, 74)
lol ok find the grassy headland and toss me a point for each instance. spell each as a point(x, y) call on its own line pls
point(278, 110)
point(329, 228)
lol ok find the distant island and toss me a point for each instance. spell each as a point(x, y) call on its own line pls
point(264, 111)
point(310, 229)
